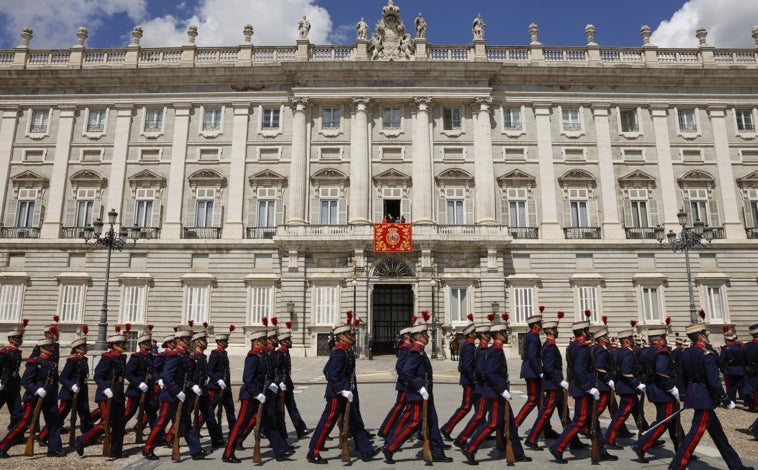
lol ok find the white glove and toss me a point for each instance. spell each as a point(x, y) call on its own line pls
point(75, 388)
point(424, 394)
point(641, 388)
point(564, 385)
point(181, 396)
point(198, 391)
point(730, 405)
point(675, 393)
point(142, 386)
point(108, 393)
point(261, 398)
point(506, 394)
point(160, 383)
point(347, 394)
point(612, 384)
point(595, 393)
point(41, 392)
point(542, 374)
point(272, 386)
point(221, 384)
point(283, 386)
point(2, 385)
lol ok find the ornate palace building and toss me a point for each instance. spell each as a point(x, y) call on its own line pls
point(253, 176)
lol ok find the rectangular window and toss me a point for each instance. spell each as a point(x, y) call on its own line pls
point(204, 214)
point(212, 119)
point(517, 213)
point(629, 121)
point(266, 213)
point(754, 210)
point(698, 205)
point(512, 118)
point(154, 120)
point(714, 308)
point(10, 302)
point(451, 119)
point(72, 303)
point(144, 214)
point(687, 121)
point(326, 305)
point(25, 214)
point(40, 121)
point(588, 301)
point(96, 120)
point(639, 214)
point(571, 119)
point(455, 213)
point(260, 303)
point(579, 214)
point(133, 302)
point(331, 118)
point(652, 310)
point(459, 306)
point(84, 212)
point(329, 212)
point(523, 304)
point(391, 118)
point(744, 121)
point(270, 118)
point(197, 303)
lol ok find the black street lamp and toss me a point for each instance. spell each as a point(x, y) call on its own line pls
point(354, 283)
point(110, 240)
point(687, 239)
point(434, 282)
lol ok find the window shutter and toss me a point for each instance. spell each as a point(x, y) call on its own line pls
point(531, 207)
point(378, 209)
point(687, 208)
point(342, 210)
point(713, 207)
point(655, 218)
point(405, 209)
point(39, 213)
point(504, 211)
point(468, 209)
point(70, 213)
point(592, 207)
point(98, 211)
point(10, 212)
point(252, 212)
point(315, 210)
point(127, 220)
point(442, 211)
point(748, 211)
point(218, 212)
point(189, 217)
point(566, 212)
point(157, 213)
point(628, 219)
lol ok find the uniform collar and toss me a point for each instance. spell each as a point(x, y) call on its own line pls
point(470, 340)
point(115, 352)
point(534, 330)
point(699, 345)
point(483, 344)
point(550, 340)
point(180, 350)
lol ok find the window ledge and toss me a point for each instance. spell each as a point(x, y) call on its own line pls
point(330, 132)
point(747, 135)
point(689, 135)
point(37, 135)
point(152, 135)
point(210, 134)
point(631, 135)
point(270, 133)
point(93, 135)
point(391, 132)
point(453, 132)
point(514, 132)
point(572, 134)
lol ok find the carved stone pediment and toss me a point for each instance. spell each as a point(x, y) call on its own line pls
point(637, 179)
point(748, 181)
point(696, 178)
point(207, 178)
point(516, 178)
point(390, 40)
point(391, 177)
point(267, 178)
point(577, 177)
point(29, 179)
point(147, 178)
point(329, 175)
point(88, 178)
point(454, 176)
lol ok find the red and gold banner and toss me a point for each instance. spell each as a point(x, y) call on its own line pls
point(393, 238)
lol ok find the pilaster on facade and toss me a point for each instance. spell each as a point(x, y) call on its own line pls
point(611, 225)
point(234, 225)
point(117, 180)
point(172, 226)
point(550, 228)
point(298, 188)
point(58, 183)
point(659, 114)
point(423, 165)
point(733, 227)
point(483, 164)
point(360, 164)
point(8, 126)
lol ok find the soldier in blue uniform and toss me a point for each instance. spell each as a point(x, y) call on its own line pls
point(480, 354)
point(497, 395)
point(627, 386)
point(339, 372)
point(751, 361)
point(139, 373)
point(732, 362)
point(285, 343)
point(418, 376)
point(582, 386)
point(219, 378)
point(274, 409)
point(601, 361)
point(401, 351)
point(40, 380)
point(704, 393)
point(51, 332)
point(200, 378)
point(468, 378)
point(531, 370)
point(676, 360)
point(10, 379)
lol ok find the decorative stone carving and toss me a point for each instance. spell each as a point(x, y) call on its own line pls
point(247, 31)
point(81, 36)
point(645, 32)
point(27, 34)
point(589, 32)
point(534, 31)
point(136, 35)
point(701, 33)
point(191, 34)
point(420, 25)
point(303, 28)
point(361, 30)
point(478, 27)
point(755, 35)
point(390, 41)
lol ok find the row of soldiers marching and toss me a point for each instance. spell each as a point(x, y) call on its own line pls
point(176, 383)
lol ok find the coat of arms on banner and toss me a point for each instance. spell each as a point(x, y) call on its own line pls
point(394, 238)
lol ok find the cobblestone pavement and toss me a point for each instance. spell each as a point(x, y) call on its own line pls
point(376, 386)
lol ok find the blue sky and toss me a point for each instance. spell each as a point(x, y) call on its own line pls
point(220, 22)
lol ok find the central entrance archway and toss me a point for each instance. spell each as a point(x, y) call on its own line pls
point(392, 308)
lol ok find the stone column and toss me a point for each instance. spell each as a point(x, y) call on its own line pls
point(234, 225)
point(360, 165)
point(298, 183)
point(611, 225)
point(732, 225)
point(550, 228)
point(665, 167)
point(117, 180)
point(7, 137)
point(58, 182)
point(172, 227)
point(484, 169)
point(423, 166)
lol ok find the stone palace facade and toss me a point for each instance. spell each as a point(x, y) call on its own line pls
point(531, 176)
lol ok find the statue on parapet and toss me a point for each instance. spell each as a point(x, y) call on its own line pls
point(420, 25)
point(361, 29)
point(478, 27)
point(303, 28)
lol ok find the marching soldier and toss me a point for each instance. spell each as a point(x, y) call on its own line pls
point(601, 360)
point(627, 386)
point(531, 370)
point(10, 379)
point(751, 360)
point(583, 388)
point(199, 378)
point(51, 332)
point(40, 380)
point(139, 373)
point(480, 354)
point(676, 361)
point(274, 409)
point(468, 377)
point(661, 390)
point(219, 379)
point(704, 393)
point(732, 361)
point(417, 374)
point(285, 343)
point(109, 377)
point(385, 430)
point(497, 395)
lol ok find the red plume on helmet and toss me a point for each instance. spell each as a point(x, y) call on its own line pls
point(349, 316)
point(264, 320)
point(505, 317)
point(150, 327)
point(274, 321)
point(725, 328)
point(425, 315)
point(668, 320)
point(288, 324)
point(542, 308)
point(128, 327)
point(701, 313)
point(85, 329)
point(118, 328)
point(588, 313)
point(470, 317)
point(414, 318)
point(232, 328)
point(633, 323)
point(53, 330)
point(191, 323)
point(560, 315)
point(205, 324)
point(24, 322)
point(175, 329)
point(56, 318)
point(357, 321)
point(676, 334)
point(491, 317)
point(605, 319)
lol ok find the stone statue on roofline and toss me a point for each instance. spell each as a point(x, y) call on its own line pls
point(420, 25)
point(478, 27)
point(390, 40)
point(303, 28)
point(361, 30)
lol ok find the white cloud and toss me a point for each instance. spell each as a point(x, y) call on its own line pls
point(220, 22)
point(55, 22)
point(729, 24)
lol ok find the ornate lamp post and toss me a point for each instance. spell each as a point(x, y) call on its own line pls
point(354, 283)
point(687, 239)
point(435, 284)
point(110, 240)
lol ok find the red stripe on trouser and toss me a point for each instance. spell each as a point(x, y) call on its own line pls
point(327, 426)
point(473, 423)
point(701, 427)
point(603, 402)
point(462, 411)
point(404, 431)
point(97, 429)
point(530, 403)
point(20, 426)
point(401, 424)
point(128, 406)
point(232, 444)
point(620, 422)
point(657, 432)
point(491, 424)
point(543, 418)
point(159, 425)
point(574, 430)
point(396, 409)
point(62, 412)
